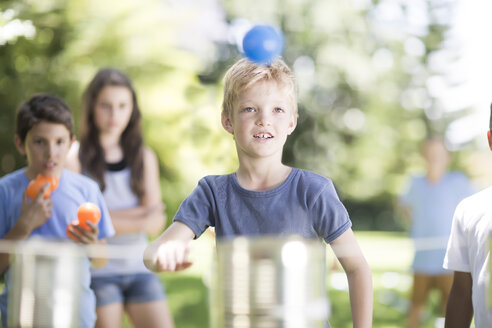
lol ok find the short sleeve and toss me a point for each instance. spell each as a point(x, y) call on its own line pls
point(4, 229)
point(330, 216)
point(456, 258)
point(11, 193)
point(197, 210)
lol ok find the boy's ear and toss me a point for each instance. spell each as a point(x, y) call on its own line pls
point(489, 140)
point(21, 148)
point(226, 123)
point(293, 123)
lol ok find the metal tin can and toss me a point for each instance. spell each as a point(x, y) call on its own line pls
point(270, 282)
point(45, 284)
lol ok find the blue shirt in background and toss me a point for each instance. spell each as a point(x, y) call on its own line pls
point(432, 208)
point(73, 190)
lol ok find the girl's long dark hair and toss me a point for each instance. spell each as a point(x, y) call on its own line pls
point(91, 154)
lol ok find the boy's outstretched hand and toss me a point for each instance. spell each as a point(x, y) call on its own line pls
point(170, 251)
point(172, 256)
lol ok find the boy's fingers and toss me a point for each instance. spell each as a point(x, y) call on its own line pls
point(88, 236)
point(42, 190)
point(93, 226)
point(165, 259)
point(75, 233)
point(187, 250)
point(44, 187)
point(172, 256)
point(183, 265)
point(180, 254)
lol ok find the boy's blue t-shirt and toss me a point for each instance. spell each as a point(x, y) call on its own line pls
point(305, 204)
point(432, 208)
point(73, 190)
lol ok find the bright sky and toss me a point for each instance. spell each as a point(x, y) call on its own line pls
point(471, 38)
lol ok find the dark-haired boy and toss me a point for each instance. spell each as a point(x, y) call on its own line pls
point(44, 134)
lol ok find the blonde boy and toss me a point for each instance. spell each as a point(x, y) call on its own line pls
point(264, 196)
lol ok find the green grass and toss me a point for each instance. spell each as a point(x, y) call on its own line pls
point(389, 255)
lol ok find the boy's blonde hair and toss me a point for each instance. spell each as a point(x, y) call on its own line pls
point(244, 73)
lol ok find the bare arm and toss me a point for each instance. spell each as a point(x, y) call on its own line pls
point(149, 215)
point(17, 233)
point(169, 252)
point(459, 310)
point(32, 215)
point(359, 278)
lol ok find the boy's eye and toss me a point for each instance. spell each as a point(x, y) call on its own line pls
point(249, 109)
point(278, 110)
point(60, 141)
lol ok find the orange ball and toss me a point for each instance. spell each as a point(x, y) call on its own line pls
point(88, 212)
point(35, 186)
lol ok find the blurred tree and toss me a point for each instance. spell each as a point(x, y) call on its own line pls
point(69, 41)
point(368, 75)
point(365, 74)
point(29, 64)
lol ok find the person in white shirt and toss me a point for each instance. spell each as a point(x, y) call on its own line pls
point(468, 256)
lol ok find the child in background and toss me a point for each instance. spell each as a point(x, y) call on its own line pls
point(468, 255)
point(112, 152)
point(264, 196)
point(431, 199)
point(44, 134)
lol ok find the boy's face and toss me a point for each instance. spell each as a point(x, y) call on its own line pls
point(113, 108)
point(436, 155)
point(261, 120)
point(46, 146)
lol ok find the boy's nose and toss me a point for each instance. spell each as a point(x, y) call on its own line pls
point(263, 119)
point(50, 150)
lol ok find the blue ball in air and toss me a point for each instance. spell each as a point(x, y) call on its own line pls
point(262, 44)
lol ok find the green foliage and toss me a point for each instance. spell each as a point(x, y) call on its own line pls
point(188, 300)
point(364, 104)
point(363, 81)
point(74, 39)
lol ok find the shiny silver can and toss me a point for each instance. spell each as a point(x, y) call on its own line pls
point(270, 282)
point(45, 284)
